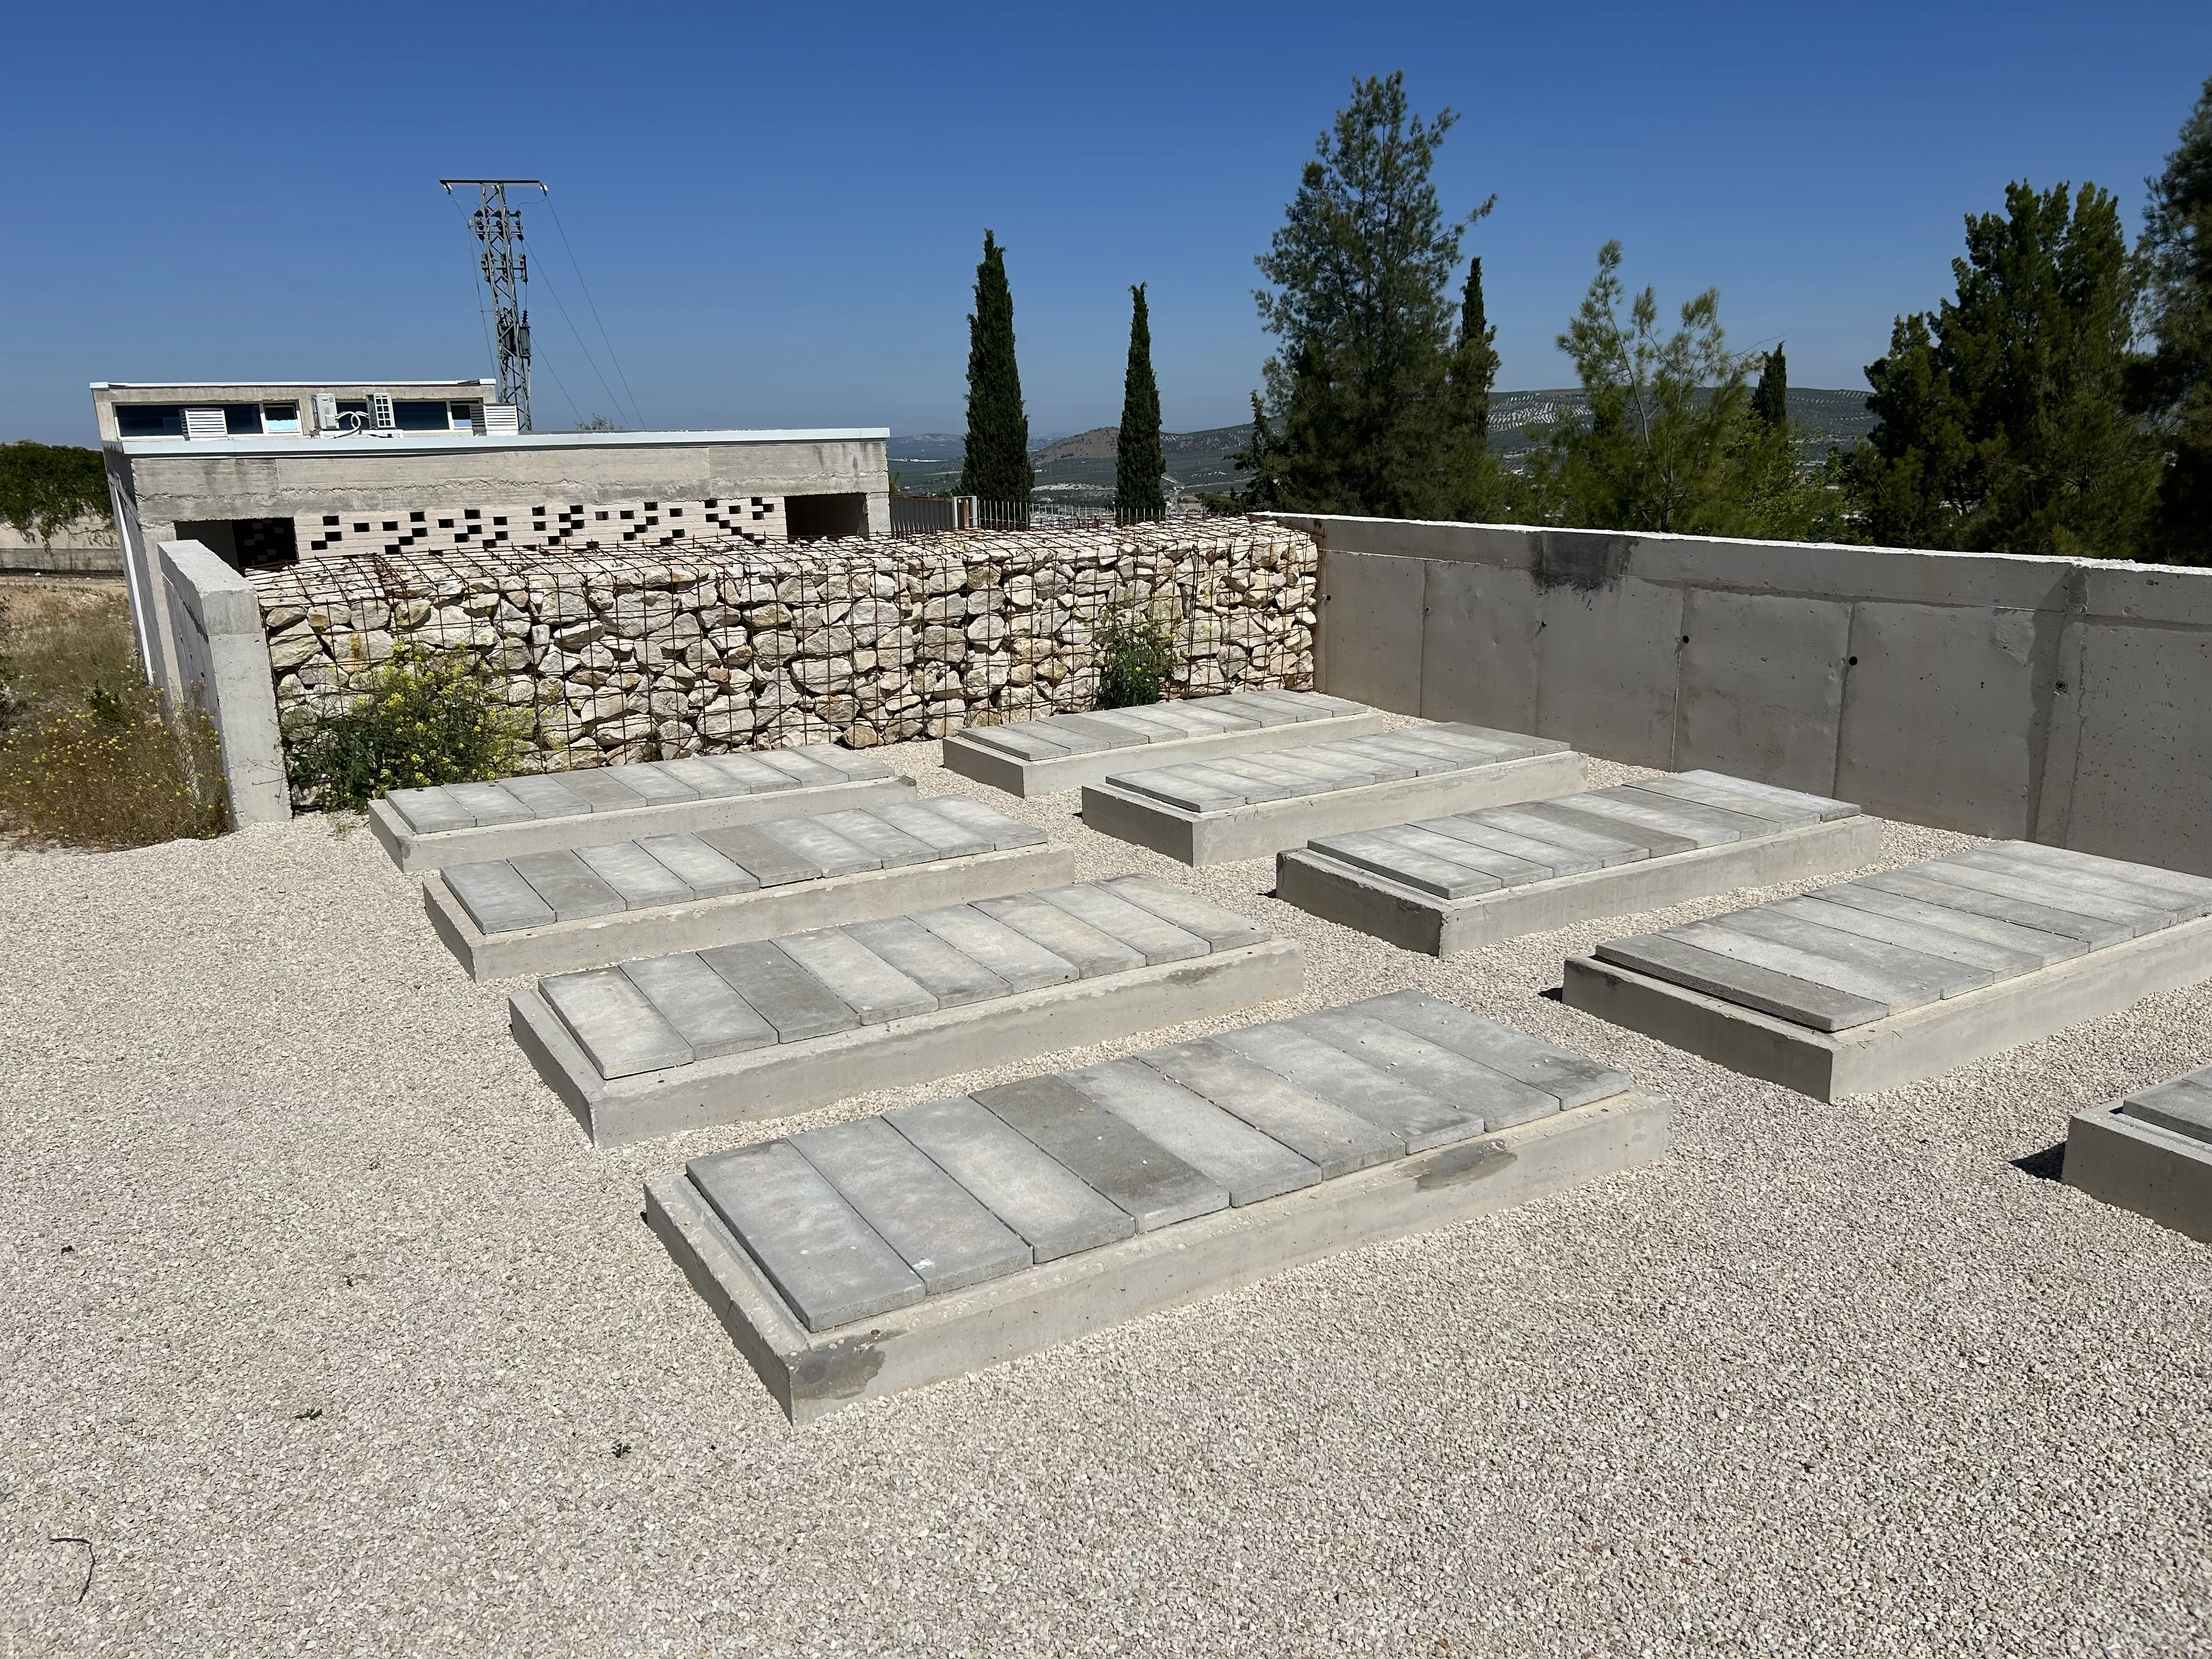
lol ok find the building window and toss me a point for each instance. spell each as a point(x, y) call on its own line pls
point(149, 420)
point(415, 416)
point(280, 418)
point(241, 420)
point(462, 417)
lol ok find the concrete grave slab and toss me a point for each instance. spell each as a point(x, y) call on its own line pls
point(2150, 1152)
point(479, 822)
point(1066, 752)
point(1460, 883)
point(657, 1045)
point(1208, 816)
point(1048, 1209)
point(1830, 1005)
point(546, 913)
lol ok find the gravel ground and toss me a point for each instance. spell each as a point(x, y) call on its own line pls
point(326, 1330)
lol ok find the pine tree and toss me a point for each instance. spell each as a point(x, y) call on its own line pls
point(2004, 424)
point(2175, 383)
point(1361, 268)
point(997, 465)
point(1138, 463)
point(1770, 399)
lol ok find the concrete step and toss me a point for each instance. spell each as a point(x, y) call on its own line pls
point(1908, 974)
point(1066, 752)
point(2150, 1152)
point(882, 1254)
point(555, 811)
point(1238, 806)
point(1463, 881)
point(769, 1026)
point(548, 912)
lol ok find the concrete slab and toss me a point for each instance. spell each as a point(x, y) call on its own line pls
point(848, 1021)
point(626, 802)
point(585, 923)
point(1067, 751)
point(1868, 1023)
point(2150, 1152)
point(1388, 888)
point(1207, 821)
point(811, 1370)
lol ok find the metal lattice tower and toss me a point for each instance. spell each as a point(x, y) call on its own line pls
point(506, 268)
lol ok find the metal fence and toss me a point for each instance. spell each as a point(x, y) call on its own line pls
point(925, 515)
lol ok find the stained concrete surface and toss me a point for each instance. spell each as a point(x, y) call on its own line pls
point(324, 1325)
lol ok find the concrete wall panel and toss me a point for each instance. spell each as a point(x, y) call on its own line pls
point(1479, 646)
point(2000, 695)
point(2142, 780)
point(1374, 606)
point(1604, 670)
point(1931, 722)
point(1762, 687)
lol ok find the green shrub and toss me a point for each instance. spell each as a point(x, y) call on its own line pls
point(420, 718)
point(1136, 654)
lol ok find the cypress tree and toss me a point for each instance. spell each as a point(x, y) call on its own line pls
point(1138, 463)
point(2177, 379)
point(997, 465)
point(1474, 484)
point(1770, 402)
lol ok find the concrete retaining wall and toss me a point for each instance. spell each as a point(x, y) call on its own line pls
point(205, 645)
point(615, 656)
point(2062, 700)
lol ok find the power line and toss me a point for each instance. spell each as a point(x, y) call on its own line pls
point(586, 286)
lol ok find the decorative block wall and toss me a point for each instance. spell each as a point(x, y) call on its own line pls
point(615, 655)
point(576, 525)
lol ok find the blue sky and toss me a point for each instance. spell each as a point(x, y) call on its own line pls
point(777, 210)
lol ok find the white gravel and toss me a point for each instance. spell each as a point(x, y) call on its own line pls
point(323, 1325)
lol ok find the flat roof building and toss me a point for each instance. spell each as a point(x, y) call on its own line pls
point(266, 472)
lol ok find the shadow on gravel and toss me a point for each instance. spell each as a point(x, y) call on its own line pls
point(2049, 1164)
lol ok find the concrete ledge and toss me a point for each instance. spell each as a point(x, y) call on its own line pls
point(414, 852)
point(1922, 1042)
point(2141, 1167)
point(1254, 830)
point(1414, 920)
point(948, 1336)
point(790, 1076)
point(1002, 771)
point(562, 947)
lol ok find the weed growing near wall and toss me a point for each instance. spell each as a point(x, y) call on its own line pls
point(1136, 654)
point(422, 718)
point(88, 755)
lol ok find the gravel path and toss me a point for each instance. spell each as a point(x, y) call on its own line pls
point(330, 1333)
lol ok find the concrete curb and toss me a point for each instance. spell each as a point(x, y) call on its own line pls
point(948, 1336)
point(763, 913)
point(1414, 920)
point(1025, 778)
point(1921, 1043)
point(415, 852)
point(791, 1077)
point(1257, 829)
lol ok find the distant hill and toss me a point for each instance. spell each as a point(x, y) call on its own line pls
point(1079, 467)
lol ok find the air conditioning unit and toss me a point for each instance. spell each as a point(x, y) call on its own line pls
point(502, 420)
point(326, 411)
point(380, 412)
point(205, 423)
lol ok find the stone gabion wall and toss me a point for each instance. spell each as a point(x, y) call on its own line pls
point(615, 656)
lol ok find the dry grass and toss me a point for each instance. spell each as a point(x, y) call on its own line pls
point(89, 756)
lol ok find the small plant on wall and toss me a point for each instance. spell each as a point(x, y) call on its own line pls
point(1136, 652)
point(419, 718)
